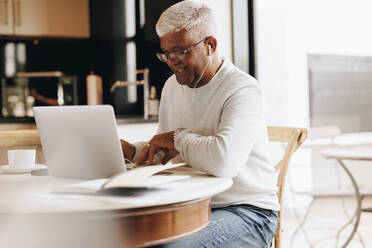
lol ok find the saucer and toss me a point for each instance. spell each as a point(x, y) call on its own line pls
point(9, 170)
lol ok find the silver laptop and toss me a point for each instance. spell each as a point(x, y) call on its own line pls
point(80, 141)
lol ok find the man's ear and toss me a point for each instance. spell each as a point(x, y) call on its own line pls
point(212, 45)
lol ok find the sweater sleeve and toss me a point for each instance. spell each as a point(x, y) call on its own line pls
point(223, 153)
point(163, 114)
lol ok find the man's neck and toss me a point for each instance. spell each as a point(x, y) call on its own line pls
point(216, 64)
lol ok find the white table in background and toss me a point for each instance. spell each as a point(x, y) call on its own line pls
point(357, 152)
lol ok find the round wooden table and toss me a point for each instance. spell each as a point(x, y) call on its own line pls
point(31, 216)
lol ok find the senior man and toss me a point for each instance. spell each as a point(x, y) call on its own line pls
point(212, 116)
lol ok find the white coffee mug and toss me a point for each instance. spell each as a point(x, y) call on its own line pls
point(22, 159)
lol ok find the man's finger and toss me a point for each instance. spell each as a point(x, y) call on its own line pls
point(143, 155)
point(152, 152)
point(166, 158)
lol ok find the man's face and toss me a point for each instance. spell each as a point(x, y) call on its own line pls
point(189, 69)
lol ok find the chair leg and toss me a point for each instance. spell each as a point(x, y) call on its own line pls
point(351, 220)
point(303, 230)
point(300, 226)
point(358, 233)
point(278, 233)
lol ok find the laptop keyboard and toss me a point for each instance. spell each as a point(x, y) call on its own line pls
point(131, 166)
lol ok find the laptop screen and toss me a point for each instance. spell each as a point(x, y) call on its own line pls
point(80, 141)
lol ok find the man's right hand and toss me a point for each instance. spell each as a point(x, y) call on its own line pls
point(159, 143)
point(129, 150)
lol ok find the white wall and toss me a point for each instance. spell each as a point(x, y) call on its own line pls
point(288, 30)
point(271, 58)
point(222, 10)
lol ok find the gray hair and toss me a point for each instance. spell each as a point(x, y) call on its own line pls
point(195, 17)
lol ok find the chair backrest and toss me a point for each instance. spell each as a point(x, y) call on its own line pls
point(18, 139)
point(293, 137)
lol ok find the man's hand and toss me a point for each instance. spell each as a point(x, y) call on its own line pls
point(161, 142)
point(128, 149)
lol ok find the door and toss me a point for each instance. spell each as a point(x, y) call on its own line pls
point(30, 17)
point(52, 18)
point(68, 18)
point(46, 18)
point(6, 17)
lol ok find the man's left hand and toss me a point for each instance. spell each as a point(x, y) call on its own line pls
point(161, 142)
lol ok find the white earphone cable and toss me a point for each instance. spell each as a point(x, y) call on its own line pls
point(193, 93)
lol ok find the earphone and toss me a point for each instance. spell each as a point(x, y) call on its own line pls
point(209, 61)
point(209, 50)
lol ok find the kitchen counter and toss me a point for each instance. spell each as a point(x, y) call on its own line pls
point(17, 120)
point(119, 119)
point(29, 122)
point(134, 119)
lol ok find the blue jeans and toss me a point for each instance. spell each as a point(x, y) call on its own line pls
point(234, 226)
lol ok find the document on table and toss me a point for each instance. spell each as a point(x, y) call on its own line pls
point(136, 197)
point(197, 186)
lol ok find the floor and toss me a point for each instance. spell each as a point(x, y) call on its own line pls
point(326, 217)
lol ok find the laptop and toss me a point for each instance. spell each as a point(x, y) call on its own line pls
point(80, 141)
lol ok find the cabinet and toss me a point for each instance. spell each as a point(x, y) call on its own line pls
point(6, 17)
point(45, 18)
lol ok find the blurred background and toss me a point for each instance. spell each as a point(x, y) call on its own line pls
point(312, 58)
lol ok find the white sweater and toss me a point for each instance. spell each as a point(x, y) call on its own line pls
point(225, 134)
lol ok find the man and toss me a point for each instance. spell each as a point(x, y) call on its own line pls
point(212, 116)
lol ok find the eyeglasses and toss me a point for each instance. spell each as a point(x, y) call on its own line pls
point(177, 55)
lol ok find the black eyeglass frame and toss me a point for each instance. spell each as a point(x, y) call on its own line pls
point(177, 55)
